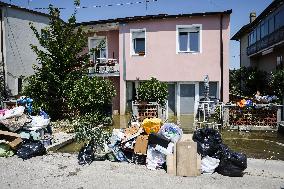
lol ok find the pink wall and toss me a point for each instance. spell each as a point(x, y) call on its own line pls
point(162, 61)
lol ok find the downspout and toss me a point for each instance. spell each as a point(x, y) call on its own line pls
point(221, 58)
point(2, 55)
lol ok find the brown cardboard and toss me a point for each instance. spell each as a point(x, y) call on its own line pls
point(186, 159)
point(13, 138)
point(141, 145)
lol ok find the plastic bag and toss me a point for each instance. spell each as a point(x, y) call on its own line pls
point(171, 131)
point(231, 163)
point(208, 141)
point(209, 164)
point(31, 149)
point(152, 125)
point(155, 159)
point(86, 154)
point(39, 122)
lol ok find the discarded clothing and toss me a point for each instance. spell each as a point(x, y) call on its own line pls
point(15, 112)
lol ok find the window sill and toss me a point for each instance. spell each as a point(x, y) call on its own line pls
point(136, 55)
point(188, 52)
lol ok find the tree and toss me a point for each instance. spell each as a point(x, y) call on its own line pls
point(153, 91)
point(60, 64)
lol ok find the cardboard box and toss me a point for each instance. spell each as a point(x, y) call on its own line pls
point(141, 145)
point(185, 160)
point(13, 138)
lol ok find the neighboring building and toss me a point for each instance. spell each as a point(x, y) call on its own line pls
point(177, 49)
point(262, 40)
point(16, 37)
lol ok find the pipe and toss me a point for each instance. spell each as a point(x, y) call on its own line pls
point(2, 56)
point(221, 58)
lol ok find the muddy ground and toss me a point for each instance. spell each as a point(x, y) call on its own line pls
point(62, 171)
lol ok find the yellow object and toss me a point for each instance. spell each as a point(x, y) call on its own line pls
point(152, 125)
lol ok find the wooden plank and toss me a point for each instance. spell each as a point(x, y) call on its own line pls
point(186, 158)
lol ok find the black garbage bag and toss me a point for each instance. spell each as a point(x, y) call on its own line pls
point(231, 163)
point(208, 141)
point(31, 149)
point(86, 154)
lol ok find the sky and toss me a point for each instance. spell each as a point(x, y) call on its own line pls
point(239, 17)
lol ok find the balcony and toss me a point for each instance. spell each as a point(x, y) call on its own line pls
point(271, 40)
point(104, 67)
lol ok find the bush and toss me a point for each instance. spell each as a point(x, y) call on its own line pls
point(246, 81)
point(153, 91)
point(277, 83)
point(91, 94)
point(89, 128)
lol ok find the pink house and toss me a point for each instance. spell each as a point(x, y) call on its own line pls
point(177, 49)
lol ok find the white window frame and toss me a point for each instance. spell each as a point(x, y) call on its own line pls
point(189, 27)
point(132, 53)
point(98, 37)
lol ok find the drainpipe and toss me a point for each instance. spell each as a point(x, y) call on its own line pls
point(221, 58)
point(2, 55)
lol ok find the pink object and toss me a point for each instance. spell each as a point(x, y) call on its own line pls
point(2, 112)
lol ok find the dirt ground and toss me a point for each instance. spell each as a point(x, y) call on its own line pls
point(63, 171)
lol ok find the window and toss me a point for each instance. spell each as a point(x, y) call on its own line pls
point(258, 33)
point(98, 46)
point(279, 21)
point(188, 38)
point(138, 42)
point(264, 29)
point(279, 63)
point(271, 25)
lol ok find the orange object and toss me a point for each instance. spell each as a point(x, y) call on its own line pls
point(152, 125)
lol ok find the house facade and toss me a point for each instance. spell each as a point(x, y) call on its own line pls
point(177, 49)
point(262, 40)
point(17, 56)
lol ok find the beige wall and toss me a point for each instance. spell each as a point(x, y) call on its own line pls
point(245, 60)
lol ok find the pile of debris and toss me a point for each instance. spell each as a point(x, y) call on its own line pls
point(23, 134)
point(164, 146)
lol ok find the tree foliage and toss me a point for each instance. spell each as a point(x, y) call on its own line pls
point(153, 90)
point(91, 94)
point(246, 81)
point(59, 63)
point(277, 82)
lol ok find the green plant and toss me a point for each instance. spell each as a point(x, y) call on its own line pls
point(59, 64)
point(247, 80)
point(277, 82)
point(153, 90)
point(89, 128)
point(91, 94)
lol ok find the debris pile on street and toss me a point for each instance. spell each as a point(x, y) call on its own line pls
point(23, 134)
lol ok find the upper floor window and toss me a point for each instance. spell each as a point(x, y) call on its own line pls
point(97, 48)
point(138, 42)
point(188, 38)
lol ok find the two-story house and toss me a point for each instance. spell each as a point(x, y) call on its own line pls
point(17, 57)
point(262, 40)
point(177, 49)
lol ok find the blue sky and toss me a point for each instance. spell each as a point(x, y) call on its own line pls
point(239, 17)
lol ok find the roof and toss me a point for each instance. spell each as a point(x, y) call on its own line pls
point(23, 9)
point(246, 28)
point(149, 17)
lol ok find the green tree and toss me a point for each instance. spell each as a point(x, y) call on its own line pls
point(91, 94)
point(59, 62)
point(153, 90)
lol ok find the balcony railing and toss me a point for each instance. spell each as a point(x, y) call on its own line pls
point(266, 42)
point(105, 67)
